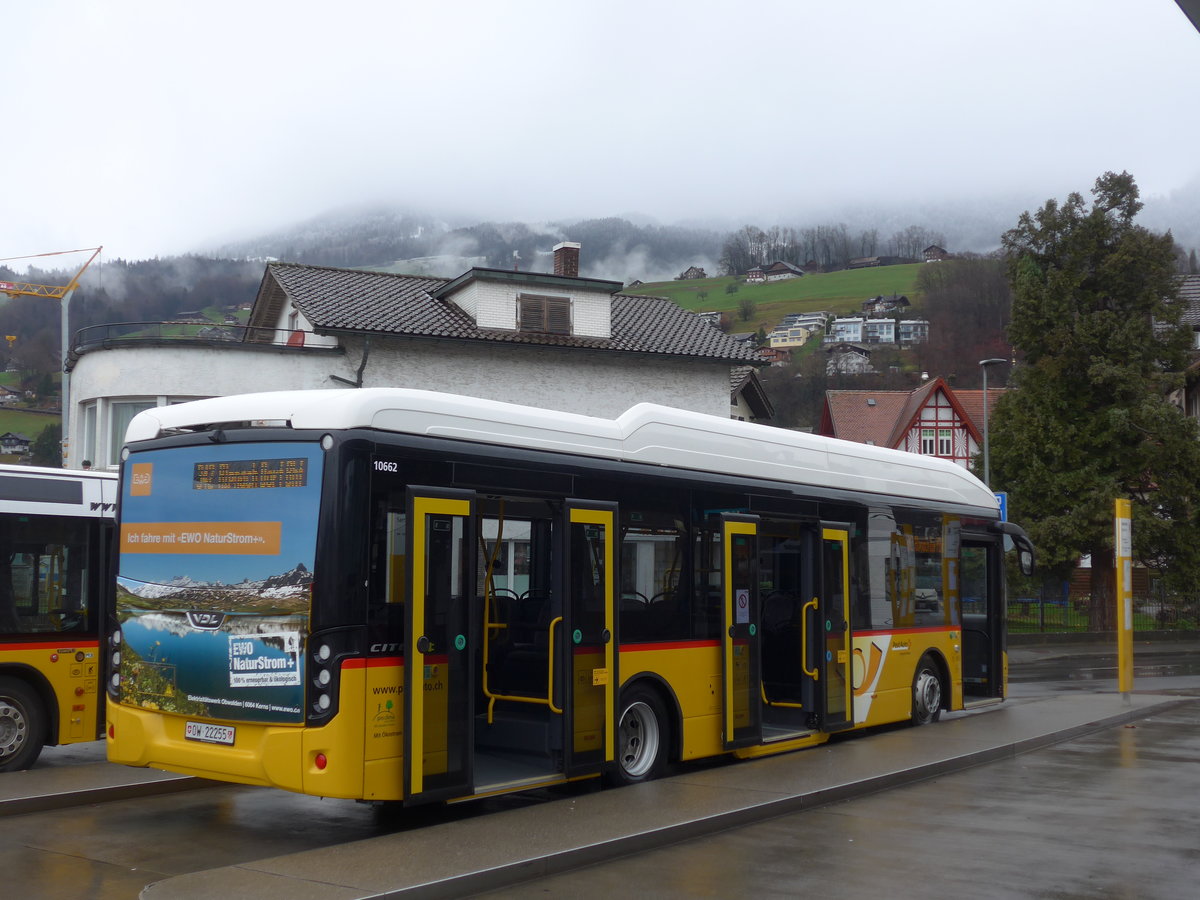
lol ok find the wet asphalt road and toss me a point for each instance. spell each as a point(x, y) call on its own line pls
point(1114, 814)
point(1110, 815)
point(111, 850)
point(1047, 824)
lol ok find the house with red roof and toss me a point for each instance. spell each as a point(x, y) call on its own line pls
point(933, 420)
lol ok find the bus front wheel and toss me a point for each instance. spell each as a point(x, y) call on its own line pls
point(642, 737)
point(926, 692)
point(22, 725)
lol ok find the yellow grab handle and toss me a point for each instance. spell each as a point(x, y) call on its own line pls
point(811, 673)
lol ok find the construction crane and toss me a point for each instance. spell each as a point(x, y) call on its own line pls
point(63, 294)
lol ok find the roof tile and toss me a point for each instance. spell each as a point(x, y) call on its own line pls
point(355, 300)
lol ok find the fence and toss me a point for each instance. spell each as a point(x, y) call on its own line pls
point(132, 332)
point(1061, 607)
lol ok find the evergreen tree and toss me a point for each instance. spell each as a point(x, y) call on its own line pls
point(46, 449)
point(1090, 419)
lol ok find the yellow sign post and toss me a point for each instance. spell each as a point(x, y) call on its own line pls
point(1123, 559)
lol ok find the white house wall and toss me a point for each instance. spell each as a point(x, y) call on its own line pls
point(493, 304)
point(285, 324)
point(575, 381)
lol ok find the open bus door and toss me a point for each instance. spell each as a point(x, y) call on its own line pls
point(438, 676)
point(584, 643)
point(742, 706)
point(833, 617)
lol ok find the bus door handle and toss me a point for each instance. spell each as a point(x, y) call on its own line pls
point(423, 645)
point(811, 673)
point(550, 675)
point(605, 636)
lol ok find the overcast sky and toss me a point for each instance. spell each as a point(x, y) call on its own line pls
point(163, 127)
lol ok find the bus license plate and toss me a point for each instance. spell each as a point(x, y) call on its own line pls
point(209, 734)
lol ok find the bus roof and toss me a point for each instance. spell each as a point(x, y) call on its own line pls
point(646, 433)
point(34, 490)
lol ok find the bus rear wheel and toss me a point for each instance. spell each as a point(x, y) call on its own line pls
point(22, 725)
point(642, 737)
point(926, 692)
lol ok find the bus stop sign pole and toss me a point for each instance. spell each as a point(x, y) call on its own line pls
point(1123, 558)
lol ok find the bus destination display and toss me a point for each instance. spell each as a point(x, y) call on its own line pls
point(250, 473)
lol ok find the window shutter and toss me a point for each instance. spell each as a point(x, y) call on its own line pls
point(532, 313)
point(558, 316)
point(544, 315)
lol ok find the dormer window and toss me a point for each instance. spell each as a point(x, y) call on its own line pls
point(541, 314)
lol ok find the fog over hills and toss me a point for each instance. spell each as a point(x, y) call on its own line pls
point(634, 246)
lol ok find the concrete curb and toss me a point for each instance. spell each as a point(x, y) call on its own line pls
point(38, 790)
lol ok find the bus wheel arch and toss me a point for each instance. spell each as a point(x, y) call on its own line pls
point(930, 689)
point(38, 683)
point(24, 723)
point(648, 731)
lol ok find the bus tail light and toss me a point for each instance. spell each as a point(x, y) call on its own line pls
point(114, 664)
point(321, 761)
point(326, 652)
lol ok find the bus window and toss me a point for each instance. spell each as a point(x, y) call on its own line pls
point(653, 605)
point(390, 570)
point(44, 575)
point(922, 579)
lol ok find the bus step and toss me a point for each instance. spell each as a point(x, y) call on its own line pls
point(521, 730)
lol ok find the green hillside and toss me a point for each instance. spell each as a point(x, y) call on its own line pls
point(837, 292)
point(20, 421)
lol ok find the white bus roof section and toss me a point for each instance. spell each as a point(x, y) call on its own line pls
point(646, 433)
point(34, 490)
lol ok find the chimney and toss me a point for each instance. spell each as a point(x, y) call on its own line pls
point(566, 259)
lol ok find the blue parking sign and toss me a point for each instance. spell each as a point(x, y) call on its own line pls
point(1002, 497)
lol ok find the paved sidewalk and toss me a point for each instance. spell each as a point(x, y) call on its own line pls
point(488, 852)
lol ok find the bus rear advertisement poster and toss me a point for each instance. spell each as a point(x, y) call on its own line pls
point(213, 609)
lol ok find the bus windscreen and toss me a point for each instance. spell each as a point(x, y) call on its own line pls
point(214, 587)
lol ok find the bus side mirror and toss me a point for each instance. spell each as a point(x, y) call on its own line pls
point(1025, 560)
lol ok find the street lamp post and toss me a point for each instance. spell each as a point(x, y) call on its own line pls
point(987, 472)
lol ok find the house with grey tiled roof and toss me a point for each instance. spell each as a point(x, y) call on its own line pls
point(748, 401)
point(554, 340)
point(1189, 297)
point(14, 443)
point(848, 358)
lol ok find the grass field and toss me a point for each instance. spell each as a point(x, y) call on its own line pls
point(835, 292)
point(20, 421)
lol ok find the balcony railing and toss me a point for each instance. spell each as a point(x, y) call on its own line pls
point(118, 333)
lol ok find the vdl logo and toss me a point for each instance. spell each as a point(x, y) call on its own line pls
point(208, 621)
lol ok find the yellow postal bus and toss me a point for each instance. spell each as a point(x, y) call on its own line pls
point(397, 595)
point(55, 538)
